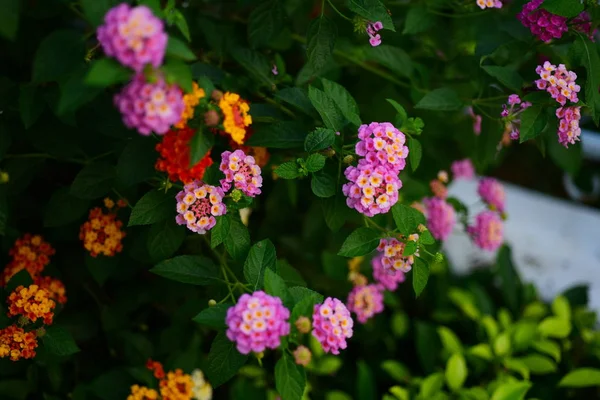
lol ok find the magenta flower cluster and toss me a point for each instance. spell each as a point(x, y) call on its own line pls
point(150, 107)
point(568, 125)
point(197, 206)
point(392, 258)
point(257, 322)
point(386, 278)
point(492, 193)
point(332, 325)
point(511, 115)
point(134, 36)
point(558, 81)
point(463, 169)
point(372, 29)
point(365, 301)
point(487, 232)
point(441, 217)
point(241, 171)
point(374, 183)
point(547, 26)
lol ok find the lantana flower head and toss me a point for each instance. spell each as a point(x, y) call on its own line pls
point(54, 286)
point(511, 115)
point(558, 81)
point(492, 193)
point(257, 322)
point(236, 117)
point(197, 206)
point(150, 107)
point(372, 29)
point(438, 188)
point(201, 389)
point(176, 385)
point(101, 233)
point(387, 278)
point(332, 325)
point(382, 143)
point(31, 302)
point(487, 232)
point(134, 36)
point(568, 125)
point(391, 250)
point(175, 156)
point(29, 252)
point(365, 301)
point(483, 4)
point(241, 171)
point(142, 393)
point(463, 169)
point(547, 26)
point(441, 217)
point(17, 344)
point(190, 101)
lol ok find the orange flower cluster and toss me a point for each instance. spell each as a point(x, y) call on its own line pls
point(235, 116)
point(102, 233)
point(54, 286)
point(156, 368)
point(16, 343)
point(142, 393)
point(30, 252)
point(32, 302)
point(176, 386)
point(175, 156)
point(191, 100)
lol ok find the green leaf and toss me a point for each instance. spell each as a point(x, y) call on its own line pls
point(20, 278)
point(305, 302)
point(63, 208)
point(315, 162)
point(533, 121)
point(420, 275)
point(372, 10)
point(410, 248)
point(195, 270)
point(93, 181)
point(164, 239)
point(179, 49)
point(502, 344)
point(59, 342)
point(507, 76)
point(31, 105)
point(319, 139)
point(343, 100)
point(482, 350)
point(401, 111)
point(153, 207)
point(449, 340)
point(365, 382)
point(518, 366)
point(585, 53)
point(60, 53)
point(182, 25)
point(279, 135)
point(392, 57)
point(101, 268)
point(396, 370)
point(415, 153)
point(511, 391)
point(9, 18)
point(74, 92)
point(561, 307)
point(290, 275)
point(290, 378)
point(136, 162)
point(261, 257)
point(524, 333)
point(568, 159)
point(95, 10)
point(106, 72)
point(335, 211)
point(327, 109)
point(298, 98)
point(154, 6)
point(442, 99)
point(237, 242)
point(275, 286)
point(266, 23)
point(407, 219)
point(418, 20)
point(255, 63)
point(223, 360)
point(220, 231)
point(288, 170)
point(214, 316)
point(200, 146)
point(581, 377)
point(323, 184)
point(539, 364)
point(360, 242)
point(555, 327)
point(456, 371)
point(564, 8)
point(425, 237)
point(548, 347)
point(320, 39)
point(431, 385)
point(178, 72)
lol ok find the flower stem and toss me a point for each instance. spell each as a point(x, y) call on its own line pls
point(338, 11)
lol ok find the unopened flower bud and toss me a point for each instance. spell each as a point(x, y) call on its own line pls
point(212, 303)
point(216, 95)
point(23, 320)
point(328, 152)
point(236, 195)
point(211, 118)
point(4, 177)
point(439, 257)
point(503, 215)
point(40, 332)
point(302, 355)
point(303, 324)
point(442, 176)
point(245, 215)
point(348, 159)
point(260, 356)
point(421, 228)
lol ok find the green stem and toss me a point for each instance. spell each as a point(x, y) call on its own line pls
point(322, 7)
point(338, 11)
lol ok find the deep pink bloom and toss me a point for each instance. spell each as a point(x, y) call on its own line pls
point(392, 259)
point(583, 24)
point(150, 107)
point(332, 325)
point(257, 322)
point(487, 232)
point(388, 278)
point(511, 117)
point(463, 169)
point(542, 23)
point(134, 36)
point(242, 171)
point(382, 143)
point(492, 193)
point(372, 29)
point(365, 301)
point(197, 206)
point(441, 217)
point(568, 125)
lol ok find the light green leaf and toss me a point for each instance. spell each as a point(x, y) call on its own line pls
point(182, 25)
point(548, 347)
point(288, 170)
point(511, 391)
point(360, 242)
point(396, 370)
point(502, 344)
point(315, 162)
point(555, 327)
point(561, 307)
point(450, 341)
point(581, 377)
point(431, 385)
point(275, 286)
point(539, 364)
point(261, 257)
point(456, 371)
point(195, 270)
point(482, 350)
point(290, 378)
point(442, 99)
point(518, 366)
point(585, 53)
point(407, 218)
point(179, 49)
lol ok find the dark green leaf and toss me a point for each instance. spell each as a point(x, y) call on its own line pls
point(136, 163)
point(74, 92)
point(442, 99)
point(585, 53)
point(275, 286)
point(9, 18)
point(20, 278)
point(327, 109)
point(154, 206)
point(93, 181)
point(415, 152)
point(178, 72)
point(101, 267)
point(344, 101)
point(266, 23)
point(164, 239)
point(418, 20)
point(59, 342)
point(407, 219)
point(420, 274)
point(360, 242)
point(59, 54)
point(195, 270)
point(223, 360)
point(507, 76)
point(564, 8)
point(320, 39)
point(63, 208)
point(290, 275)
point(393, 58)
point(323, 184)
point(300, 293)
point(260, 257)
point(106, 72)
point(178, 49)
point(335, 211)
point(279, 135)
point(220, 231)
point(290, 378)
point(569, 160)
point(315, 162)
point(533, 121)
point(182, 25)
point(257, 64)
point(365, 382)
point(214, 316)
point(153, 5)
point(319, 139)
point(298, 98)
point(200, 145)
point(372, 10)
point(95, 10)
point(288, 170)
point(510, 283)
point(31, 105)
point(401, 111)
point(237, 242)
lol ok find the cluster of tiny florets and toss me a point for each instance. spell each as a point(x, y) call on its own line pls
point(190, 101)
point(240, 171)
point(547, 26)
point(175, 156)
point(391, 250)
point(510, 114)
point(568, 125)
point(372, 29)
point(441, 217)
point(197, 206)
point(492, 193)
point(101, 233)
point(30, 253)
point(17, 344)
point(487, 231)
point(483, 4)
point(332, 325)
point(365, 301)
point(236, 117)
point(463, 169)
point(31, 302)
point(558, 81)
point(387, 278)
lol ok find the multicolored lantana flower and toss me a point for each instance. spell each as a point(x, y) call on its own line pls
point(17, 344)
point(241, 171)
point(483, 4)
point(176, 385)
point(31, 302)
point(372, 29)
point(365, 301)
point(568, 125)
point(134, 36)
point(101, 233)
point(236, 117)
point(190, 101)
point(387, 278)
point(175, 156)
point(197, 206)
point(487, 231)
point(55, 288)
point(302, 355)
point(150, 107)
point(332, 325)
point(441, 217)
point(462, 169)
point(511, 115)
point(383, 144)
point(142, 393)
point(558, 81)
point(30, 253)
point(201, 389)
point(492, 193)
point(257, 322)
point(391, 250)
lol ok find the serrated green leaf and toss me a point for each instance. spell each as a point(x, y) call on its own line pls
point(288, 170)
point(298, 98)
point(178, 72)
point(220, 231)
point(265, 23)
point(343, 100)
point(319, 139)
point(237, 241)
point(323, 184)
point(275, 286)
point(315, 162)
point(420, 273)
point(407, 219)
point(261, 257)
point(360, 242)
point(327, 109)
point(214, 316)
point(195, 270)
point(290, 378)
point(372, 10)
point(320, 39)
point(223, 360)
point(154, 206)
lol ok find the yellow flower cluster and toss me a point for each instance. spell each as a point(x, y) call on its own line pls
point(102, 233)
point(354, 274)
point(191, 100)
point(32, 302)
point(16, 343)
point(142, 393)
point(176, 386)
point(235, 116)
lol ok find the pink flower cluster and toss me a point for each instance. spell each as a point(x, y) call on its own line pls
point(242, 171)
point(476, 120)
point(568, 125)
point(392, 258)
point(387, 278)
point(511, 115)
point(257, 322)
point(487, 232)
point(463, 169)
point(558, 81)
point(365, 301)
point(134, 36)
point(483, 4)
point(492, 193)
point(441, 217)
point(332, 325)
point(547, 26)
point(374, 182)
point(372, 29)
point(150, 107)
point(198, 205)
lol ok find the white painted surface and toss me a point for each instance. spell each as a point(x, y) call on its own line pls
point(555, 243)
